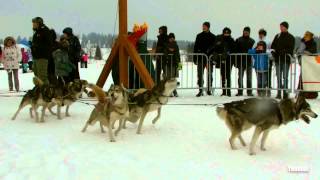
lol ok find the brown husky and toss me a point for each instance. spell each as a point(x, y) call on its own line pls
point(109, 109)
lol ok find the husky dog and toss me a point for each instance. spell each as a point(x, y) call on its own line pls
point(145, 101)
point(69, 94)
point(41, 95)
point(109, 109)
point(264, 115)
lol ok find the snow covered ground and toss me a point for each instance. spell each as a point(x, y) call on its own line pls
point(189, 142)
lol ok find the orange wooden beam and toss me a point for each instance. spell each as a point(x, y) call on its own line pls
point(139, 65)
point(108, 66)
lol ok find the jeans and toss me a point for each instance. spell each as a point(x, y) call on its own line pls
point(262, 78)
point(14, 73)
point(200, 69)
point(282, 76)
point(225, 72)
point(248, 69)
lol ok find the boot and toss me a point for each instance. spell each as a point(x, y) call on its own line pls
point(279, 95)
point(175, 93)
point(200, 93)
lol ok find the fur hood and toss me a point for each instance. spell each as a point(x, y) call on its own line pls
point(8, 39)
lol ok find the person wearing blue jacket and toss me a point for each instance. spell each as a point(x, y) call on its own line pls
point(261, 65)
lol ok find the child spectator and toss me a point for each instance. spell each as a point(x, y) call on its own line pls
point(261, 65)
point(84, 60)
point(25, 60)
point(10, 59)
point(171, 69)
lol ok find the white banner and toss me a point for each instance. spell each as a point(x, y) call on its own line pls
point(311, 73)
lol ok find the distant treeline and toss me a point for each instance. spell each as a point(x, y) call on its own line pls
point(92, 40)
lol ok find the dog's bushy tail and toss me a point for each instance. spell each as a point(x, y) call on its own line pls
point(100, 94)
point(37, 81)
point(221, 112)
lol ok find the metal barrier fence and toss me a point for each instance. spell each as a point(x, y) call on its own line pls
point(241, 72)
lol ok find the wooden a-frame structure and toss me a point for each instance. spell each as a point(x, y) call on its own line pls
point(121, 51)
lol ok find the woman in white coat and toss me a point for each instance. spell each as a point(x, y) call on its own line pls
point(11, 56)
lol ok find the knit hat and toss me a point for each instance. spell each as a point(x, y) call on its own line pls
point(164, 29)
point(38, 20)
point(68, 31)
point(226, 30)
point(247, 29)
point(285, 24)
point(171, 35)
point(207, 24)
point(263, 31)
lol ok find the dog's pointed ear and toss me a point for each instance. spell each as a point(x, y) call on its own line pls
point(300, 100)
point(122, 86)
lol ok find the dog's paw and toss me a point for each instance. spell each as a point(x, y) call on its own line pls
point(253, 153)
point(68, 115)
point(234, 148)
point(263, 149)
point(112, 140)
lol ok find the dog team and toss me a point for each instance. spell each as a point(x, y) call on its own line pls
point(118, 105)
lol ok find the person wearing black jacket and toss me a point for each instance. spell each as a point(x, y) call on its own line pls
point(223, 47)
point(283, 46)
point(51, 66)
point(204, 43)
point(41, 49)
point(74, 52)
point(161, 48)
point(244, 62)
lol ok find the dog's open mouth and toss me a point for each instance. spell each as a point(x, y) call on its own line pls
point(305, 118)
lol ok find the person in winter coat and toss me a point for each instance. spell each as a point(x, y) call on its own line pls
point(25, 60)
point(51, 66)
point(244, 62)
point(172, 60)
point(41, 49)
point(11, 57)
point(84, 60)
point(74, 51)
point(223, 47)
point(160, 48)
point(30, 62)
point(262, 37)
point(203, 44)
point(308, 46)
point(261, 65)
point(283, 46)
point(63, 65)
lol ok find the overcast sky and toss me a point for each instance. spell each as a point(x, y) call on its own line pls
point(183, 17)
